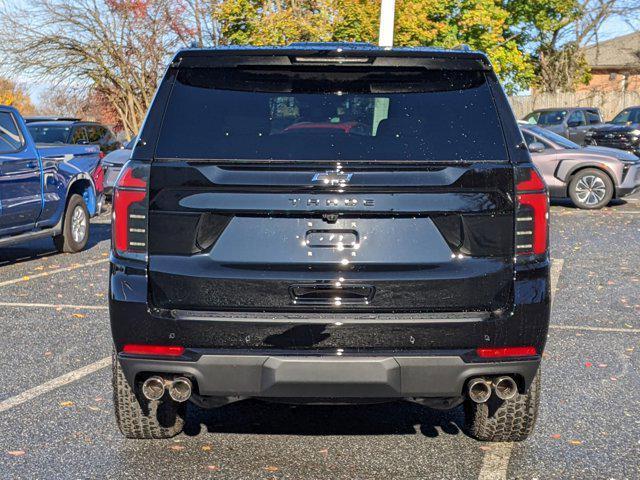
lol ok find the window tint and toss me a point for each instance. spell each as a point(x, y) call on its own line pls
point(49, 134)
point(631, 115)
point(528, 138)
point(10, 138)
point(577, 117)
point(554, 137)
point(354, 114)
point(593, 118)
point(79, 135)
point(94, 133)
point(550, 117)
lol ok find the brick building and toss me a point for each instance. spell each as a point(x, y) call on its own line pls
point(615, 65)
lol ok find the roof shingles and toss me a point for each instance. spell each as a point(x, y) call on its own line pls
point(617, 53)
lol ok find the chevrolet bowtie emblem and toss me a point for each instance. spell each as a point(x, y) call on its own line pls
point(332, 177)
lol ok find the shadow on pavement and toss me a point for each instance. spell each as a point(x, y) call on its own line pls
point(258, 417)
point(566, 202)
point(24, 252)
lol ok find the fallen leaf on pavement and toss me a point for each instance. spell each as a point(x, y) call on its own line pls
point(575, 442)
point(176, 447)
point(556, 436)
point(271, 469)
point(588, 364)
point(214, 468)
point(16, 453)
point(66, 404)
point(78, 315)
point(206, 448)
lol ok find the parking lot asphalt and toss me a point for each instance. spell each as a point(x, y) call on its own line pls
point(56, 413)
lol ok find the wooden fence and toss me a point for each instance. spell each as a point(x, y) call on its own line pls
point(609, 103)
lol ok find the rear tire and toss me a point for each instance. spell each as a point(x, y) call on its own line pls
point(142, 419)
point(75, 227)
point(504, 420)
point(591, 189)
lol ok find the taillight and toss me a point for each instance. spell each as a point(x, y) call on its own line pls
point(130, 206)
point(532, 213)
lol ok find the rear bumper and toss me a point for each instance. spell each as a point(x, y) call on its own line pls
point(333, 377)
point(290, 355)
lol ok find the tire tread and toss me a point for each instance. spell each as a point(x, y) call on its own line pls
point(504, 421)
point(133, 420)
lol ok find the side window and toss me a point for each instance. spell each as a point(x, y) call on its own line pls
point(105, 134)
point(528, 138)
point(593, 118)
point(78, 136)
point(10, 137)
point(94, 133)
point(577, 119)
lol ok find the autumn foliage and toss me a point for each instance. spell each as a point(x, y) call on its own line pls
point(15, 96)
point(116, 50)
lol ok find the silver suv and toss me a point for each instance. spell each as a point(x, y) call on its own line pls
point(591, 176)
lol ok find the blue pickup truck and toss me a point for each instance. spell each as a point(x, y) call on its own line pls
point(46, 190)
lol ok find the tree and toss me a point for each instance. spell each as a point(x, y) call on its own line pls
point(482, 24)
point(116, 49)
point(78, 102)
point(15, 96)
point(273, 22)
point(557, 32)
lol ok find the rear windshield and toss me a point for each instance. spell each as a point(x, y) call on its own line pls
point(346, 114)
point(49, 134)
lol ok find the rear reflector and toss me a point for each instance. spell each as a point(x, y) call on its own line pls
point(506, 352)
point(154, 350)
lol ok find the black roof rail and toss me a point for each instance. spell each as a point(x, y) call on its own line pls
point(462, 47)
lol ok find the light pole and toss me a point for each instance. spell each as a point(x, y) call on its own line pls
point(387, 14)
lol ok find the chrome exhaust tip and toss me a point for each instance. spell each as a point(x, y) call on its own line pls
point(180, 389)
point(505, 388)
point(153, 388)
point(479, 390)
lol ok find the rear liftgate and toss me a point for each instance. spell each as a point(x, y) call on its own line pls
point(436, 238)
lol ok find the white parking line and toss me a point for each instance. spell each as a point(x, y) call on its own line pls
point(495, 462)
point(26, 278)
point(53, 384)
point(595, 329)
point(54, 305)
point(556, 269)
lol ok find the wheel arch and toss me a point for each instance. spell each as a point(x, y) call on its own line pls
point(83, 185)
point(577, 169)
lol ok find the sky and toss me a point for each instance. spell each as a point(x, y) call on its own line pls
point(612, 28)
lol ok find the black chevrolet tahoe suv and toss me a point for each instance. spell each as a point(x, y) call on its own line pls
point(329, 223)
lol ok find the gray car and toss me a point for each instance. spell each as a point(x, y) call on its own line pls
point(113, 163)
point(590, 176)
point(572, 122)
